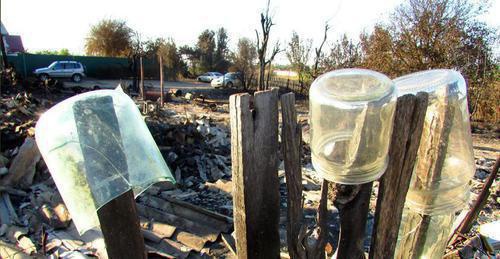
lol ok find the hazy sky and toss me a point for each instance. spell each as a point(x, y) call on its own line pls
point(56, 24)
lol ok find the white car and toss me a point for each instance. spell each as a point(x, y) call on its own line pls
point(229, 80)
point(208, 76)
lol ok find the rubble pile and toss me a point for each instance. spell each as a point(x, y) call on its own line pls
point(34, 220)
point(197, 151)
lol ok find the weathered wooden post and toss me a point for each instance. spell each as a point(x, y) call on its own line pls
point(161, 81)
point(302, 243)
point(254, 154)
point(405, 140)
point(141, 84)
point(291, 145)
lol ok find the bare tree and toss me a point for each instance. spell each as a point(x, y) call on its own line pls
point(314, 72)
point(276, 50)
point(266, 22)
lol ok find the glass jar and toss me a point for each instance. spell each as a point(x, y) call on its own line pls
point(445, 159)
point(423, 236)
point(351, 118)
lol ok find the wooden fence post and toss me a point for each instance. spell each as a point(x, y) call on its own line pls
point(394, 184)
point(141, 84)
point(161, 81)
point(353, 203)
point(291, 144)
point(254, 154)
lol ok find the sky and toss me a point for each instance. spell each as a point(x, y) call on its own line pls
point(56, 24)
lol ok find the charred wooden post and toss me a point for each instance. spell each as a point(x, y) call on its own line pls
point(315, 241)
point(291, 137)
point(254, 153)
point(353, 203)
point(161, 81)
point(394, 184)
point(121, 229)
point(141, 84)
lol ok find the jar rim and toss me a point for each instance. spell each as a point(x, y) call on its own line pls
point(426, 81)
point(352, 85)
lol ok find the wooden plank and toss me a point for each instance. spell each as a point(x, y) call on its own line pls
point(120, 228)
point(179, 222)
point(353, 203)
point(254, 153)
point(195, 242)
point(190, 212)
point(408, 123)
point(159, 228)
point(291, 138)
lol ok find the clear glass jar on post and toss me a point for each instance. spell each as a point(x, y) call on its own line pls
point(351, 118)
point(444, 165)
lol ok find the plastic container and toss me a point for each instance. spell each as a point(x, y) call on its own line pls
point(351, 118)
point(445, 159)
point(97, 146)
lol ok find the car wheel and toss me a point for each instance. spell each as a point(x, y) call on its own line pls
point(229, 85)
point(199, 79)
point(44, 77)
point(76, 78)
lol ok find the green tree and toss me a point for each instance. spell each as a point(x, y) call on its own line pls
point(377, 51)
point(193, 57)
point(61, 52)
point(221, 62)
point(298, 52)
point(343, 54)
point(112, 38)
point(171, 56)
point(429, 34)
point(244, 60)
point(206, 48)
point(172, 60)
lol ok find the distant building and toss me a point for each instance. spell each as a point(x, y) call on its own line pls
point(13, 43)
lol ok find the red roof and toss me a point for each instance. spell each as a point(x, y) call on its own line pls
point(13, 44)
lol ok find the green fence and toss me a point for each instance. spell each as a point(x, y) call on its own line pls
point(98, 67)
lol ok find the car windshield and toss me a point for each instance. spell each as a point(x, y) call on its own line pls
point(53, 64)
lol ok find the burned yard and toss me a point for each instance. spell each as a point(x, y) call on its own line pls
point(184, 130)
point(192, 219)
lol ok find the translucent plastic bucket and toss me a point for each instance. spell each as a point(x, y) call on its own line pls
point(351, 118)
point(97, 146)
